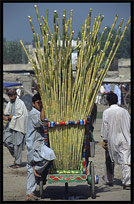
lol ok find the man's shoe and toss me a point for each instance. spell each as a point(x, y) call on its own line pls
point(127, 186)
point(109, 184)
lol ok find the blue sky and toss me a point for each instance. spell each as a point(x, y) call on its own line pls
point(16, 24)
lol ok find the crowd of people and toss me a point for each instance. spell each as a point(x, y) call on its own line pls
point(26, 127)
point(117, 89)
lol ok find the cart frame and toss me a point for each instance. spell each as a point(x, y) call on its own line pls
point(88, 174)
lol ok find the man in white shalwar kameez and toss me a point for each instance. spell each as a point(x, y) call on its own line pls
point(39, 156)
point(115, 132)
point(14, 134)
point(117, 91)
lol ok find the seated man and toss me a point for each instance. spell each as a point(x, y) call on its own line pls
point(38, 154)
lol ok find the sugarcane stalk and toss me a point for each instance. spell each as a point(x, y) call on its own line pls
point(62, 100)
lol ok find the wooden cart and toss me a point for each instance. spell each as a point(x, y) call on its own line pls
point(85, 174)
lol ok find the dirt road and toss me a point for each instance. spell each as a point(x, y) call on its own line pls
point(14, 180)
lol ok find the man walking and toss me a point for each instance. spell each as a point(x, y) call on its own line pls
point(117, 91)
point(14, 134)
point(115, 132)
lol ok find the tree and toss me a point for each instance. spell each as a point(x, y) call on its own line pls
point(4, 50)
point(79, 35)
point(109, 48)
point(124, 49)
point(104, 39)
point(13, 53)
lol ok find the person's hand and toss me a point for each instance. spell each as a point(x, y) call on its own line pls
point(42, 115)
point(10, 117)
point(104, 144)
point(5, 118)
point(35, 172)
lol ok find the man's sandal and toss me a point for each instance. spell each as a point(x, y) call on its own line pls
point(31, 197)
point(16, 166)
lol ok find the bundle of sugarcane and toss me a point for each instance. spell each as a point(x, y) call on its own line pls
point(64, 100)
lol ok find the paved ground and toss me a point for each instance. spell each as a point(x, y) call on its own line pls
point(14, 180)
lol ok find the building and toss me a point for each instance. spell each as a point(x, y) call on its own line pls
point(22, 73)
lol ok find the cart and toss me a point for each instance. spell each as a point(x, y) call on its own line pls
point(86, 174)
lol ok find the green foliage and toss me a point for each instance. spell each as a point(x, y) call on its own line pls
point(104, 39)
point(13, 53)
point(79, 35)
point(124, 48)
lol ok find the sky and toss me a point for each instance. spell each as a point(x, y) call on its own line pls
point(16, 24)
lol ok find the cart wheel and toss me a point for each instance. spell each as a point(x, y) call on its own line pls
point(93, 194)
point(66, 190)
point(41, 187)
point(66, 187)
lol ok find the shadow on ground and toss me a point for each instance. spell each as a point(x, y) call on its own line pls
point(77, 192)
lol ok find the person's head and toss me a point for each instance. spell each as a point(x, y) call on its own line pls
point(112, 98)
point(12, 95)
point(36, 102)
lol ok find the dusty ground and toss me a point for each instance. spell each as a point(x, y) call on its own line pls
point(14, 180)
